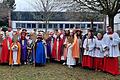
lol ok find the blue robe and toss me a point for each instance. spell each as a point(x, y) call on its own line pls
point(23, 51)
point(40, 57)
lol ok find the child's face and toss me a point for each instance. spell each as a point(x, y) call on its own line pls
point(78, 32)
point(1, 35)
point(89, 34)
point(99, 35)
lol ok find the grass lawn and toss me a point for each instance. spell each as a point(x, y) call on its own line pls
point(51, 71)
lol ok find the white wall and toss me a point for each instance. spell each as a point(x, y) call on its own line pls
point(116, 22)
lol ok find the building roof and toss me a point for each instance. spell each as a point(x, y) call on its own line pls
point(51, 16)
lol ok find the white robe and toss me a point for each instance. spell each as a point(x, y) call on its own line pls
point(15, 52)
point(70, 60)
point(90, 43)
point(44, 43)
point(52, 42)
point(113, 44)
point(99, 53)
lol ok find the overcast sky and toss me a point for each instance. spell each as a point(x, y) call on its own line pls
point(24, 5)
point(27, 5)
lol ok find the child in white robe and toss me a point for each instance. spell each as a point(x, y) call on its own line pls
point(99, 55)
point(70, 59)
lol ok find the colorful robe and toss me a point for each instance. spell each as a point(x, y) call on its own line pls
point(15, 54)
point(76, 49)
point(30, 51)
point(5, 50)
point(1, 40)
point(65, 49)
point(40, 57)
point(23, 50)
point(57, 49)
point(48, 47)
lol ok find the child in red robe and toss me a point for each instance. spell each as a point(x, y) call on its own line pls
point(6, 49)
point(57, 48)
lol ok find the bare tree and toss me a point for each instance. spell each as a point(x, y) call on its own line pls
point(6, 6)
point(107, 7)
point(47, 7)
point(86, 13)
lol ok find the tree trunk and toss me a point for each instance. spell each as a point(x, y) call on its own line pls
point(111, 21)
point(46, 25)
point(91, 23)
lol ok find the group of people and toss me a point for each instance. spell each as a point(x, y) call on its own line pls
point(98, 52)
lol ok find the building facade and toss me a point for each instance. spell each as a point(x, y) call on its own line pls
point(57, 20)
point(26, 16)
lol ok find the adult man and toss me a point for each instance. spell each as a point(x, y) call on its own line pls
point(111, 51)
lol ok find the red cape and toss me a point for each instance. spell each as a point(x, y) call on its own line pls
point(54, 54)
point(5, 51)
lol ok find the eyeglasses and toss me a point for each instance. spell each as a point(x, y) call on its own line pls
point(109, 28)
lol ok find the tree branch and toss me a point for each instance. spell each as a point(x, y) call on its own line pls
point(90, 7)
point(102, 5)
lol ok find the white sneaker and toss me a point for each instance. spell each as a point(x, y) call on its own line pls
point(25, 63)
point(64, 63)
point(70, 66)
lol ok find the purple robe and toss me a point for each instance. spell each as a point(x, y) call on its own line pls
point(23, 51)
point(48, 46)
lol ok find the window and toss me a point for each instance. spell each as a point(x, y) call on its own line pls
point(77, 26)
point(61, 26)
point(55, 26)
point(50, 26)
point(28, 25)
point(100, 26)
point(23, 25)
point(66, 25)
point(44, 26)
point(18, 25)
point(88, 25)
point(94, 25)
point(40, 26)
point(94, 29)
point(33, 25)
point(82, 26)
point(71, 25)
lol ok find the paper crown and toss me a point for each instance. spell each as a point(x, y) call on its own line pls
point(39, 35)
point(51, 33)
point(1, 32)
